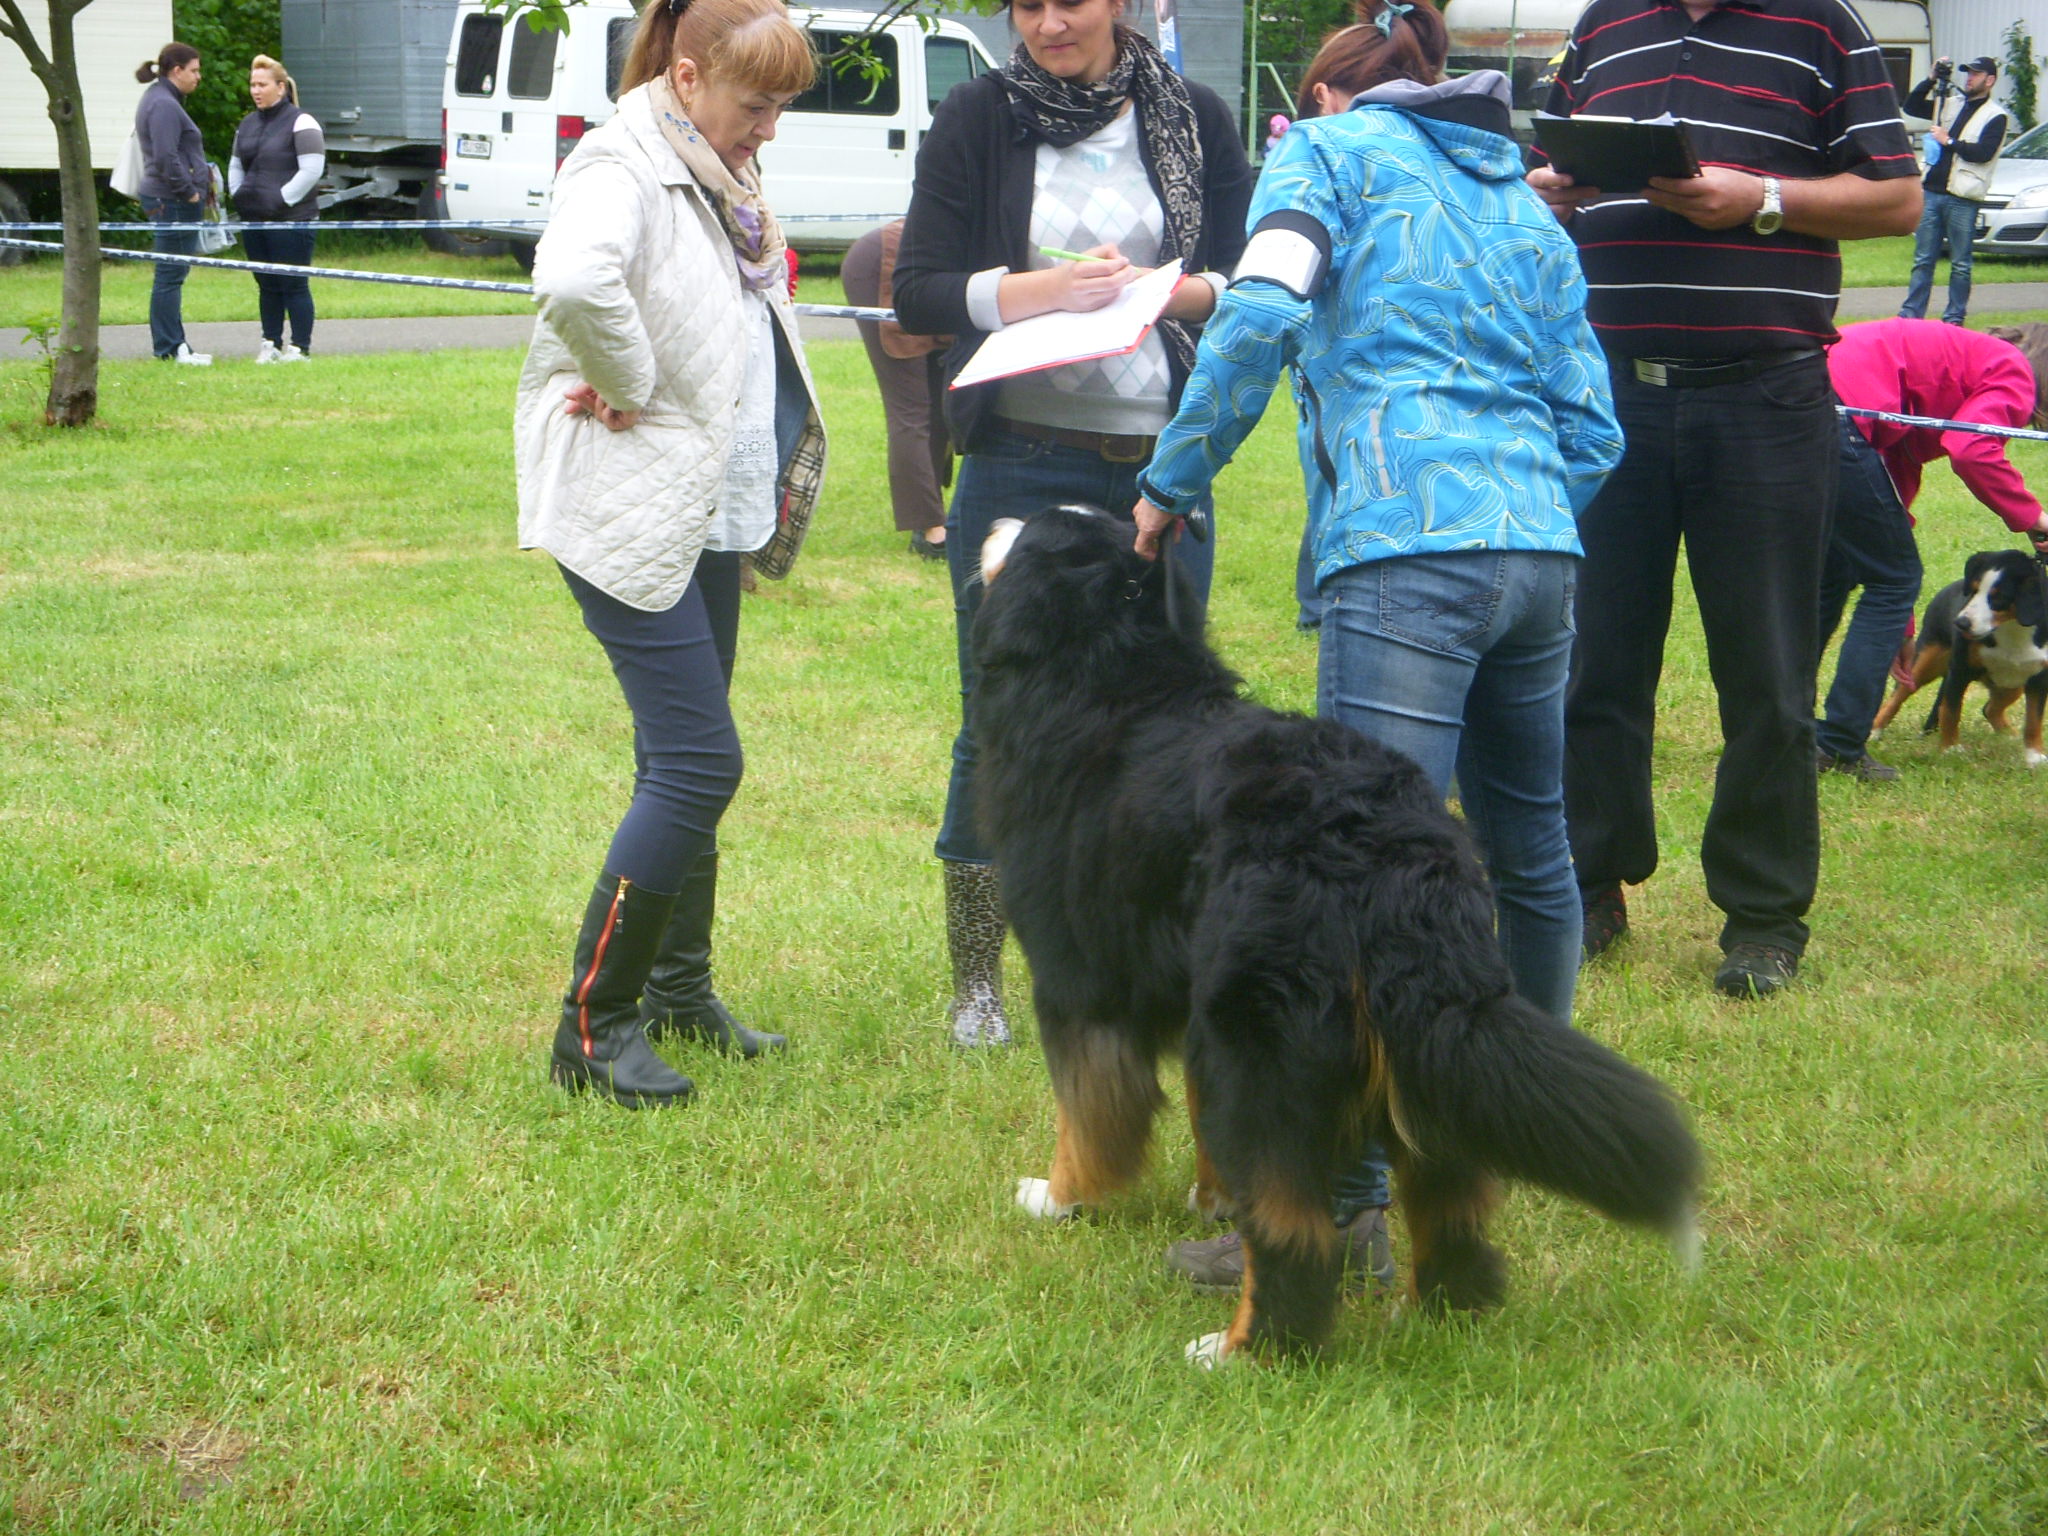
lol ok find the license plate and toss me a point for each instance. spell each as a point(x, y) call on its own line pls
point(473, 146)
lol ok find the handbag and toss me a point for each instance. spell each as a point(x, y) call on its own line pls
point(126, 176)
point(212, 236)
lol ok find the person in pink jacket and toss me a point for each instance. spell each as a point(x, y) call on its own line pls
point(1912, 368)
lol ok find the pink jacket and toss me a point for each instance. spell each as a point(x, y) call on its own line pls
point(1925, 368)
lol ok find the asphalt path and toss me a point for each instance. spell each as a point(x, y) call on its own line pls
point(238, 338)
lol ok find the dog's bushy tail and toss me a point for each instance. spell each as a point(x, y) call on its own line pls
point(1502, 1086)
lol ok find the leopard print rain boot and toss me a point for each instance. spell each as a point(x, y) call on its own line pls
point(974, 941)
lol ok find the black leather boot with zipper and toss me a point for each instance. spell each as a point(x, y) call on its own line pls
point(677, 1000)
point(599, 1043)
point(974, 943)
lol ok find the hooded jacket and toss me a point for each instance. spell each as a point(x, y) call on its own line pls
point(1451, 393)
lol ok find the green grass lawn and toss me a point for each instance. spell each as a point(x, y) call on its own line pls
point(1889, 263)
point(306, 775)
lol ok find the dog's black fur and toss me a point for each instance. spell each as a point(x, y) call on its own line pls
point(1294, 903)
point(2000, 641)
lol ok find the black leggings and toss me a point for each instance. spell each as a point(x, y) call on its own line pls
point(675, 668)
point(278, 296)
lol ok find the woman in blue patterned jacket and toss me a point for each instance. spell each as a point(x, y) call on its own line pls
point(1455, 416)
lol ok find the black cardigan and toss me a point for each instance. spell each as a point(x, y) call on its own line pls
point(970, 209)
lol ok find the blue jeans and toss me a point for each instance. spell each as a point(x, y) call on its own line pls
point(675, 669)
point(167, 293)
point(1459, 661)
point(1943, 216)
point(1016, 477)
point(1872, 547)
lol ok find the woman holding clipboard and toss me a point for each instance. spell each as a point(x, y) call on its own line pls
point(1085, 143)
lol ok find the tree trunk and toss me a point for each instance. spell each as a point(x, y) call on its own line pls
point(75, 378)
point(75, 371)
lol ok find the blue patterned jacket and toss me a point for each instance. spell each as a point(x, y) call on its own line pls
point(1451, 393)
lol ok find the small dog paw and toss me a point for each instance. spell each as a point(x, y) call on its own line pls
point(1212, 1205)
point(1035, 1196)
point(2036, 759)
point(1208, 1352)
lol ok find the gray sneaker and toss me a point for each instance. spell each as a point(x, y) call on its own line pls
point(1215, 1265)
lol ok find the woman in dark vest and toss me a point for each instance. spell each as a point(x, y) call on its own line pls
point(175, 186)
point(280, 155)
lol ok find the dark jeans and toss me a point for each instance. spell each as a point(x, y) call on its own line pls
point(1016, 477)
point(279, 297)
point(675, 668)
point(1743, 475)
point(1943, 217)
point(1872, 547)
point(167, 293)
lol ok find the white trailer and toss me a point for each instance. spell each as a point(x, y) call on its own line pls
point(113, 37)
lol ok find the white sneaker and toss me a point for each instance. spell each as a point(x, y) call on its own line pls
point(291, 354)
point(268, 352)
point(192, 359)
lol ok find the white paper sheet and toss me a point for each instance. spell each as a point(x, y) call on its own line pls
point(1066, 336)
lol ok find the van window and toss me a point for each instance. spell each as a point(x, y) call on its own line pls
point(843, 84)
point(947, 62)
point(1898, 63)
point(618, 42)
point(476, 56)
point(530, 74)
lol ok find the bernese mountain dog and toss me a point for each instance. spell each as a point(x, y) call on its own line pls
point(1290, 906)
point(1991, 628)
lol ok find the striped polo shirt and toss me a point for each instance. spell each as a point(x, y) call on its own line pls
point(1788, 88)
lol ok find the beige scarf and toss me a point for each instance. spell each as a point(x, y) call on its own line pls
point(757, 243)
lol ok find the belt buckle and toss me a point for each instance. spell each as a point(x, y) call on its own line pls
point(1648, 372)
point(1138, 453)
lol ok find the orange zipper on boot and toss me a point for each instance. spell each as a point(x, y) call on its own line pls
point(611, 921)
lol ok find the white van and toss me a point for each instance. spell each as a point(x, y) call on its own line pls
point(516, 101)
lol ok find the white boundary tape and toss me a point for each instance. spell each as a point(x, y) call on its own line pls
point(2026, 434)
point(345, 275)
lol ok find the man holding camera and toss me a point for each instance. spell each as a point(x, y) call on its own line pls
point(1962, 148)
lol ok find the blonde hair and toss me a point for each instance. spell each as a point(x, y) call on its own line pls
point(275, 70)
point(752, 42)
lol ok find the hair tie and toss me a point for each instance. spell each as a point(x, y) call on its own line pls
point(1384, 21)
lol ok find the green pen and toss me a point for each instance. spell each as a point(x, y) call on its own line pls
point(1059, 255)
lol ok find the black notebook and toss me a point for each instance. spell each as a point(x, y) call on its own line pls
point(1616, 154)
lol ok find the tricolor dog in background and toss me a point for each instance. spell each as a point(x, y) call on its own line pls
point(1991, 628)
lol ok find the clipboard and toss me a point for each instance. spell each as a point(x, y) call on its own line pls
point(1616, 154)
point(1066, 336)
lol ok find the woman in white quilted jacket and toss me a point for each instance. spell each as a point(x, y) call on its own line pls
point(667, 431)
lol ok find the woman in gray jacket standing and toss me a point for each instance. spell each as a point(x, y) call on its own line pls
point(279, 156)
point(176, 182)
point(667, 431)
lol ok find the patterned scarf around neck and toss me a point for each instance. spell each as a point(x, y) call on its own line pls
point(757, 243)
point(1062, 113)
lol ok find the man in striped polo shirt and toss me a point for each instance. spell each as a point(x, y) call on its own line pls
point(1715, 298)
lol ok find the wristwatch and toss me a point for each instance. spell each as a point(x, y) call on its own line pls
point(1771, 217)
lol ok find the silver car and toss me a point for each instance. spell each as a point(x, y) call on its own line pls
point(2015, 217)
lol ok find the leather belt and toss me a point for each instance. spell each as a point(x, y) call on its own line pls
point(1702, 372)
point(1112, 447)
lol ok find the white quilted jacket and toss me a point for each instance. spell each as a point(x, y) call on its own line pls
point(638, 296)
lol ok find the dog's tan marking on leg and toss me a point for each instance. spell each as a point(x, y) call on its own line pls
point(1995, 707)
point(1209, 1198)
point(1108, 1092)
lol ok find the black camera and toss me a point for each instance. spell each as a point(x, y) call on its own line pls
point(1944, 69)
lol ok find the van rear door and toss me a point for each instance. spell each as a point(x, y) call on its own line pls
point(845, 147)
point(501, 129)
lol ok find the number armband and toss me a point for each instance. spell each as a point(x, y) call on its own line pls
point(1289, 248)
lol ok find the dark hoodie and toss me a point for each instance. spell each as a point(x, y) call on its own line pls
point(173, 154)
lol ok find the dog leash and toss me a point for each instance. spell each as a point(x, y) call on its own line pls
point(2026, 434)
point(1196, 521)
